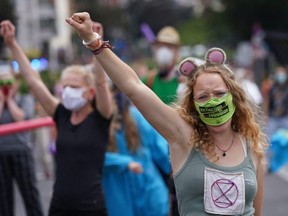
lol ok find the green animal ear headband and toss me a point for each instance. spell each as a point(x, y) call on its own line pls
point(213, 56)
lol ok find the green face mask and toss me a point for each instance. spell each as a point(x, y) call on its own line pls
point(216, 111)
point(4, 82)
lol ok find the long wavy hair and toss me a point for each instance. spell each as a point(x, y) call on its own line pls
point(245, 120)
point(122, 118)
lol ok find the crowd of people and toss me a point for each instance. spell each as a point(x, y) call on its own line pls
point(185, 139)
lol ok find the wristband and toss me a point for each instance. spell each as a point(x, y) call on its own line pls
point(96, 38)
point(104, 44)
point(95, 45)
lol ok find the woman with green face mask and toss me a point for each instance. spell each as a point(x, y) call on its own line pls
point(216, 146)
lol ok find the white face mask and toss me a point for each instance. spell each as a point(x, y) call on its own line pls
point(281, 77)
point(164, 56)
point(72, 98)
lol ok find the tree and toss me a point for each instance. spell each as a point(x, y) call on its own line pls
point(241, 16)
point(157, 14)
point(108, 16)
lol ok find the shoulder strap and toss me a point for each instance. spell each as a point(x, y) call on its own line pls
point(245, 147)
point(150, 79)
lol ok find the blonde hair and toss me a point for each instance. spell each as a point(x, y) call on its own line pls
point(87, 75)
point(244, 120)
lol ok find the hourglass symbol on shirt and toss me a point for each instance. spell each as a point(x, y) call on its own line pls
point(224, 193)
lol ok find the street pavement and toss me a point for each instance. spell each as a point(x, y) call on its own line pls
point(275, 194)
point(45, 189)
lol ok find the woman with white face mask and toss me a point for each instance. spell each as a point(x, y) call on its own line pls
point(82, 131)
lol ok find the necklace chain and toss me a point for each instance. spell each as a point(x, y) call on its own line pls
point(224, 151)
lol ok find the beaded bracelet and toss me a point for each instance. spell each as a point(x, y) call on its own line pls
point(104, 44)
point(95, 45)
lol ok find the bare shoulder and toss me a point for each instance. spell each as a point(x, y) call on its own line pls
point(256, 161)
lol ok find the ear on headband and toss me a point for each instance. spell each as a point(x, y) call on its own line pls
point(215, 55)
point(189, 65)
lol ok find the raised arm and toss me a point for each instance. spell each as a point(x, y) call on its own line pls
point(38, 88)
point(103, 94)
point(15, 110)
point(164, 118)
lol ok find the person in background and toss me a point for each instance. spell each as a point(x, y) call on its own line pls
point(266, 85)
point(132, 184)
point(82, 119)
point(246, 79)
point(16, 158)
point(57, 92)
point(165, 82)
point(216, 145)
point(141, 67)
point(277, 122)
point(42, 136)
point(166, 55)
point(278, 102)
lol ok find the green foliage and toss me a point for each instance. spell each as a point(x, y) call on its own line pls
point(6, 10)
point(23, 87)
point(225, 28)
point(236, 22)
point(202, 31)
point(241, 15)
point(49, 78)
point(193, 32)
point(108, 16)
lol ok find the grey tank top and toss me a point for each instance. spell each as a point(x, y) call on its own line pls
point(204, 188)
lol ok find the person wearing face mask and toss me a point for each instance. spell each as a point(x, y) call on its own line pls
point(16, 159)
point(216, 145)
point(165, 52)
point(277, 107)
point(82, 120)
point(278, 102)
